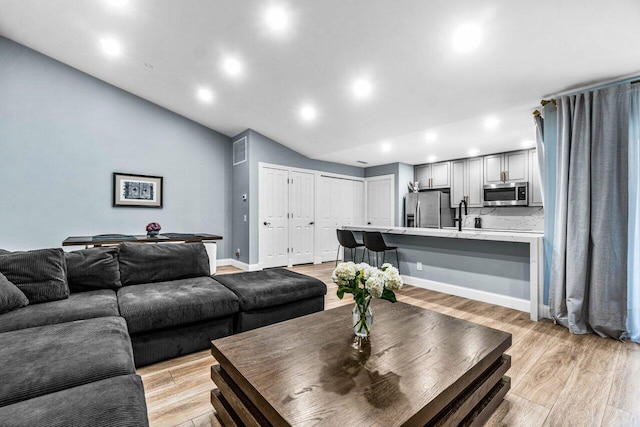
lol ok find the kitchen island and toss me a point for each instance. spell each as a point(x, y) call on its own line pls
point(501, 267)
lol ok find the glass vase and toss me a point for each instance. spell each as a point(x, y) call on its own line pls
point(362, 318)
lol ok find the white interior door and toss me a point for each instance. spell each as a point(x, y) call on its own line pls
point(273, 206)
point(380, 201)
point(358, 203)
point(330, 216)
point(302, 222)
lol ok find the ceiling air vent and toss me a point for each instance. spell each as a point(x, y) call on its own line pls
point(363, 162)
point(240, 151)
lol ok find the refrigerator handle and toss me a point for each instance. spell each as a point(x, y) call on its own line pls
point(417, 220)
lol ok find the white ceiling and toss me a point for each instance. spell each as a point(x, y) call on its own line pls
point(529, 50)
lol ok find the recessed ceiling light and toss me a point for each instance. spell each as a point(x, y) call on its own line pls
point(362, 88)
point(117, 3)
point(474, 152)
point(205, 95)
point(110, 46)
point(277, 19)
point(385, 147)
point(308, 113)
point(232, 66)
point(491, 123)
point(430, 136)
point(527, 143)
point(466, 38)
point(432, 159)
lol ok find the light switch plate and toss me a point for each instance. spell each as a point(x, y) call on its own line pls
point(419, 266)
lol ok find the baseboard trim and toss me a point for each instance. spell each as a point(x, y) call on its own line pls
point(223, 262)
point(244, 266)
point(474, 294)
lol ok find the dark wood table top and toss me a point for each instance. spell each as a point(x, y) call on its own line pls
point(309, 371)
point(114, 239)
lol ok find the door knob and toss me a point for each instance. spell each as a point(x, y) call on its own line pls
point(368, 223)
point(311, 223)
point(267, 223)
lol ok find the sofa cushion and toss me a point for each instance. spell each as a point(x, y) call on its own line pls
point(93, 268)
point(84, 305)
point(268, 288)
point(40, 274)
point(46, 359)
point(11, 297)
point(165, 304)
point(140, 263)
point(117, 401)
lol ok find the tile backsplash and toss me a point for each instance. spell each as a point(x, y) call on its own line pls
point(509, 218)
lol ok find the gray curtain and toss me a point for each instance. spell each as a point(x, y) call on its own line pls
point(539, 121)
point(588, 289)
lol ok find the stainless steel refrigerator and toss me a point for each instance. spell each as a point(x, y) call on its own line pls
point(429, 209)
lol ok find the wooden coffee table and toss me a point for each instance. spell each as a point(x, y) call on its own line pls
point(418, 368)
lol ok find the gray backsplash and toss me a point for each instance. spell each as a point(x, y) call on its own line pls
point(510, 218)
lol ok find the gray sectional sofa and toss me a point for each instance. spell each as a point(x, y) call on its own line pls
point(74, 326)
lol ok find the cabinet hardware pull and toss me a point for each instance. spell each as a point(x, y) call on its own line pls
point(267, 223)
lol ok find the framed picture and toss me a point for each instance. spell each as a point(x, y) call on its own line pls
point(141, 191)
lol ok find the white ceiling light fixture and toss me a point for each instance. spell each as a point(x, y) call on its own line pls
point(117, 3)
point(308, 113)
point(474, 152)
point(386, 147)
point(110, 46)
point(232, 66)
point(466, 38)
point(491, 123)
point(430, 136)
point(362, 88)
point(528, 143)
point(205, 95)
point(277, 19)
point(432, 159)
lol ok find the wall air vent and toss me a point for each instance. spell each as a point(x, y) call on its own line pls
point(363, 162)
point(240, 151)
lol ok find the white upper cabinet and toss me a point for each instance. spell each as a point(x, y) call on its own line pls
point(506, 167)
point(474, 171)
point(467, 181)
point(435, 175)
point(458, 181)
point(535, 194)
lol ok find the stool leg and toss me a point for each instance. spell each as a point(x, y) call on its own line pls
point(337, 255)
point(384, 255)
point(398, 261)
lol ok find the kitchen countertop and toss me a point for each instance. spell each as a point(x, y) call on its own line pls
point(524, 236)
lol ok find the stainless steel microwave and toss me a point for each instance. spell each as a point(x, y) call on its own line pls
point(509, 194)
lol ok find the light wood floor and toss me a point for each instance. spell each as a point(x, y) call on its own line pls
point(558, 379)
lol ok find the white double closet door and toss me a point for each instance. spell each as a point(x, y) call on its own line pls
point(340, 202)
point(286, 215)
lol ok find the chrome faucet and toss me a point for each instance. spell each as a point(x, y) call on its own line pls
point(459, 219)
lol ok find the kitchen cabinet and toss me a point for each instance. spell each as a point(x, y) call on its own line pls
point(535, 191)
point(467, 181)
point(434, 175)
point(506, 167)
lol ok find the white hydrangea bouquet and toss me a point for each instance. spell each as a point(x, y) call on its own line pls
point(365, 282)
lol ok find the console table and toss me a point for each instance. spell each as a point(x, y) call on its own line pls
point(114, 239)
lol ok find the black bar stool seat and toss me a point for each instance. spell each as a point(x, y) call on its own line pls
point(374, 242)
point(347, 240)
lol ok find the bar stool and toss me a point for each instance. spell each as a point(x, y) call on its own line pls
point(374, 242)
point(348, 241)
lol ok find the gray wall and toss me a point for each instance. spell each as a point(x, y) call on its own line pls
point(63, 133)
point(245, 180)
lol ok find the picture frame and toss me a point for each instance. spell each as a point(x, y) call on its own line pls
point(139, 191)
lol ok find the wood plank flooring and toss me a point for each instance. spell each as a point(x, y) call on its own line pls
point(558, 379)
